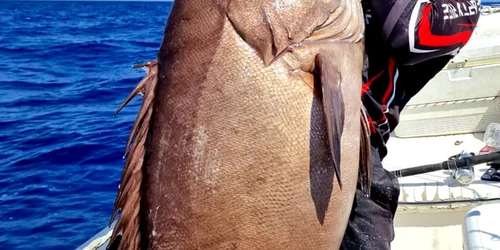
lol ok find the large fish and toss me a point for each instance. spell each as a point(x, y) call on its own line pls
point(251, 133)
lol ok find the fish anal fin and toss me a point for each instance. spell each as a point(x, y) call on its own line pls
point(365, 156)
point(333, 106)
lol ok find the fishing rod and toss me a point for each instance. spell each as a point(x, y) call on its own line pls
point(462, 166)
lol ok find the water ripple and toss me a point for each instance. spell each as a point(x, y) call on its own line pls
point(66, 67)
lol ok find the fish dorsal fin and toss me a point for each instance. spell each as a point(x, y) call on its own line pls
point(270, 26)
point(128, 199)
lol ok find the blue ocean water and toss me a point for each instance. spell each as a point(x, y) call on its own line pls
point(64, 69)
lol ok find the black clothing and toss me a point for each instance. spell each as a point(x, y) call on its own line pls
point(407, 43)
point(419, 44)
point(371, 222)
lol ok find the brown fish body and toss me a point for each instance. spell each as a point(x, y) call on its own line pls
point(233, 149)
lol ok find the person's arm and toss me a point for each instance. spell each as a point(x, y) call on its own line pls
point(427, 29)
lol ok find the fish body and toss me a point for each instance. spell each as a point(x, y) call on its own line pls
point(250, 131)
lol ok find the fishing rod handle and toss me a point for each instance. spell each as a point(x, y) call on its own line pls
point(484, 158)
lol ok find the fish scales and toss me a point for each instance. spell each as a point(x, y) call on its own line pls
point(254, 124)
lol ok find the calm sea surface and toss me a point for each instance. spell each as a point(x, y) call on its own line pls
point(64, 69)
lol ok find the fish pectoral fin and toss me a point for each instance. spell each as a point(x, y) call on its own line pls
point(333, 106)
point(365, 156)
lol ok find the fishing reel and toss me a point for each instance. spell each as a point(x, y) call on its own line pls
point(462, 174)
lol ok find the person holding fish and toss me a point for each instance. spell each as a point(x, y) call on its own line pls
point(278, 172)
point(407, 43)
